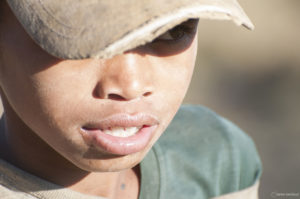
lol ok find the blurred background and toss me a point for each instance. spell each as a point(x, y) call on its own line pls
point(253, 78)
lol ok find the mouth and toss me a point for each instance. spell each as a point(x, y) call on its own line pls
point(121, 134)
point(119, 131)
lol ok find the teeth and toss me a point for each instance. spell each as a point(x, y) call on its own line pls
point(122, 131)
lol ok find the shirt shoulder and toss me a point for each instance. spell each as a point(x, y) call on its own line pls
point(207, 154)
point(7, 193)
point(16, 183)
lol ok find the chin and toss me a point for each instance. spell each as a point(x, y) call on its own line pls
point(109, 164)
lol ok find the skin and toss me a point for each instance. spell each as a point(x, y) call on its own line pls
point(46, 101)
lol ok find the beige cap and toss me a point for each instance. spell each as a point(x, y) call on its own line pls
point(77, 29)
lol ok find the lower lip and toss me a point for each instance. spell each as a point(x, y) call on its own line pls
point(121, 145)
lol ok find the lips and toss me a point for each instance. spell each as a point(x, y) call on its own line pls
point(121, 134)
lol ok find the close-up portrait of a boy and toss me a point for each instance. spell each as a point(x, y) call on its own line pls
point(92, 93)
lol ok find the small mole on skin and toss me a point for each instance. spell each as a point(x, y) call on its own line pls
point(123, 186)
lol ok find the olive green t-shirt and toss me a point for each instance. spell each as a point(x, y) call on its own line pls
point(201, 155)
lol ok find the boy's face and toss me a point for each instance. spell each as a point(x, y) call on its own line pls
point(69, 103)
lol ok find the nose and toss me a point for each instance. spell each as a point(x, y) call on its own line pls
point(125, 77)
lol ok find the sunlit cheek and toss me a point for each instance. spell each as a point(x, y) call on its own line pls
point(173, 75)
point(183, 69)
point(190, 59)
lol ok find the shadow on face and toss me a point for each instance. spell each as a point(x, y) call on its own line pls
point(21, 49)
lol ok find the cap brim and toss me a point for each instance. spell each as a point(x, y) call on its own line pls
point(71, 29)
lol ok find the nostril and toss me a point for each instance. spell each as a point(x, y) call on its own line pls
point(116, 97)
point(147, 94)
point(121, 98)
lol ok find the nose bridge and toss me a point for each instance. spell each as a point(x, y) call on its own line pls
point(125, 77)
point(128, 70)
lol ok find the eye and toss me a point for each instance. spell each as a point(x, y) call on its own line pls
point(188, 28)
point(173, 34)
point(174, 41)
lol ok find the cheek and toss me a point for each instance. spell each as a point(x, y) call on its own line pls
point(176, 73)
point(61, 94)
point(47, 101)
point(173, 79)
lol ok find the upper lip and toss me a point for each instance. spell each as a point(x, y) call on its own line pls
point(123, 120)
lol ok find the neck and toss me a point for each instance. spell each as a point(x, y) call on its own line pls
point(24, 149)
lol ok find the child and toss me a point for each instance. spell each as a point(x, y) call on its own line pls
point(89, 86)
